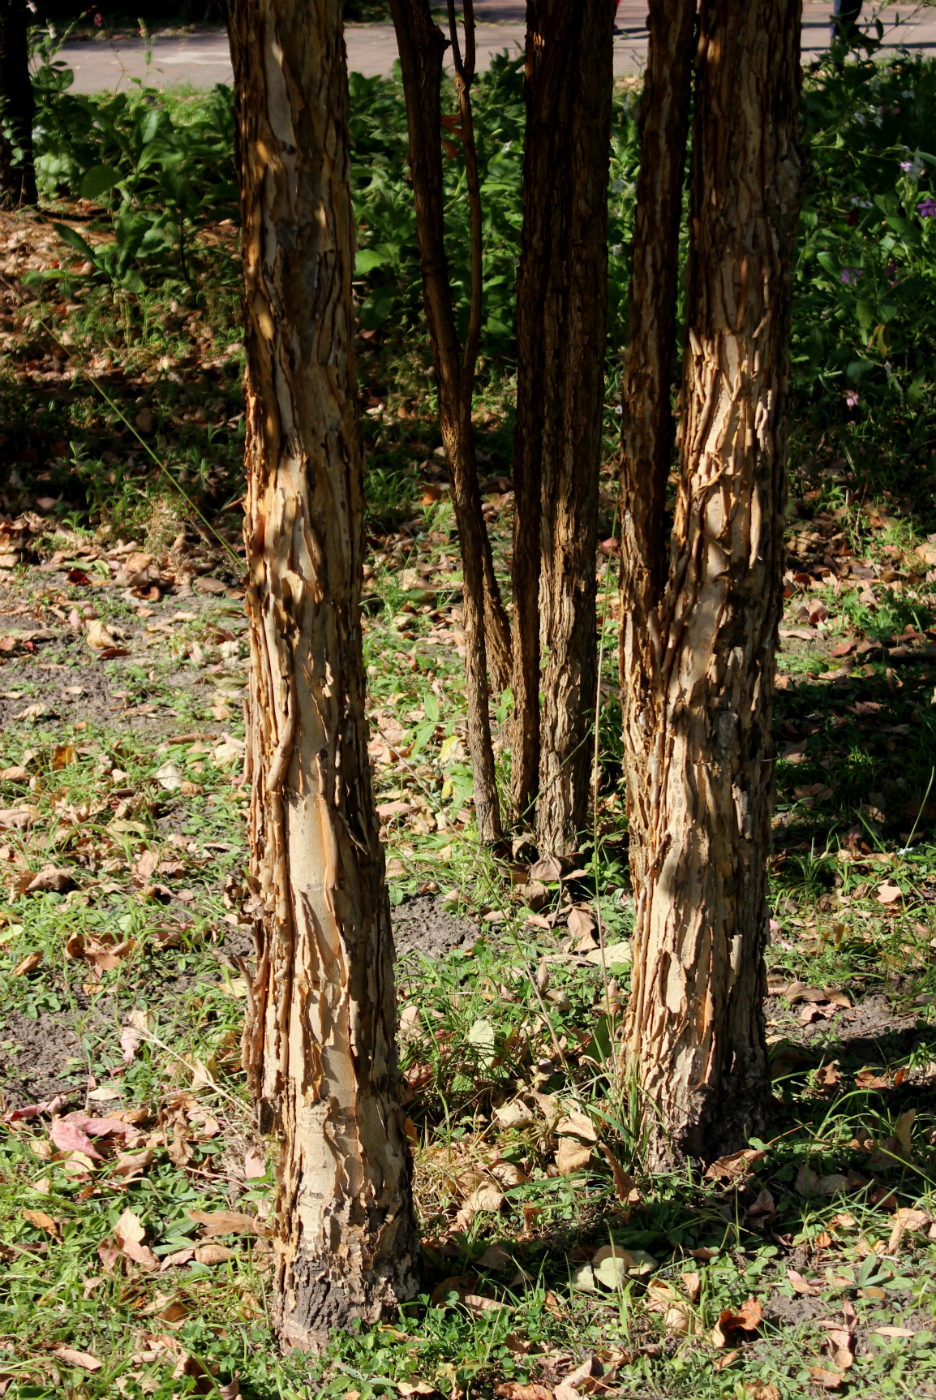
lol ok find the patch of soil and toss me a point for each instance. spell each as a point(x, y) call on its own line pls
point(424, 925)
point(42, 1057)
point(874, 1030)
point(39, 1059)
point(82, 683)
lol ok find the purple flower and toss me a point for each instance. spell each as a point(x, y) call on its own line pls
point(98, 20)
point(851, 398)
point(906, 165)
point(927, 208)
point(850, 274)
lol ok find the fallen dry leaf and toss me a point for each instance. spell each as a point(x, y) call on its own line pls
point(906, 1219)
point(829, 1380)
point(50, 880)
point(29, 963)
point(624, 1186)
point(97, 635)
point(575, 1124)
point(129, 1234)
point(254, 1163)
point(67, 1137)
point(228, 1222)
point(572, 1156)
point(41, 1220)
point(515, 1390)
point(212, 1253)
point(889, 893)
point(735, 1165)
point(801, 1285)
point(746, 1319)
point(84, 1359)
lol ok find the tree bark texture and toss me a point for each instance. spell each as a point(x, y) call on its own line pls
point(487, 632)
point(695, 1028)
point(647, 421)
point(319, 1043)
point(17, 173)
point(561, 322)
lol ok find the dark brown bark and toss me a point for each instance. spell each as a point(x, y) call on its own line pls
point(319, 1043)
point(561, 317)
point(695, 1029)
point(17, 173)
point(487, 633)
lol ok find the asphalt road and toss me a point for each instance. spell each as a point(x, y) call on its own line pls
point(200, 58)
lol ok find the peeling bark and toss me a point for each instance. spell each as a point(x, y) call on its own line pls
point(695, 1027)
point(319, 1043)
point(647, 383)
point(17, 172)
point(487, 632)
point(561, 321)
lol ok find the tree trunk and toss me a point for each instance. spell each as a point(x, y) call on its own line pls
point(487, 634)
point(319, 1043)
point(17, 173)
point(695, 1030)
point(647, 422)
point(561, 318)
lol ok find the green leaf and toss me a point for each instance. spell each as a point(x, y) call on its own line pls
point(98, 180)
point(866, 313)
point(75, 240)
point(367, 259)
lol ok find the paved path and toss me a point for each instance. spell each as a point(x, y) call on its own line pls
point(200, 59)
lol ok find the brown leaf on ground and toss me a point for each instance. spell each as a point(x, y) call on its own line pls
point(84, 1359)
point(103, 957)
point(129, 1234)
point(586, 1379)
point(29, 963)
point(69, 1138)
point(746, 1319)
point(98, 637)
point(228, 1222)
point(801, 1285)
point(906, 1219)
point(50, 880)
point(42, 1221)
point(212, 1253)
point(576, 1124)
point(515, 1390)
point(902, 1132)
point(624, 1186)
point(735, 1165)
point(254, 1163)
point(572, 1156)
point(829, 1380)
